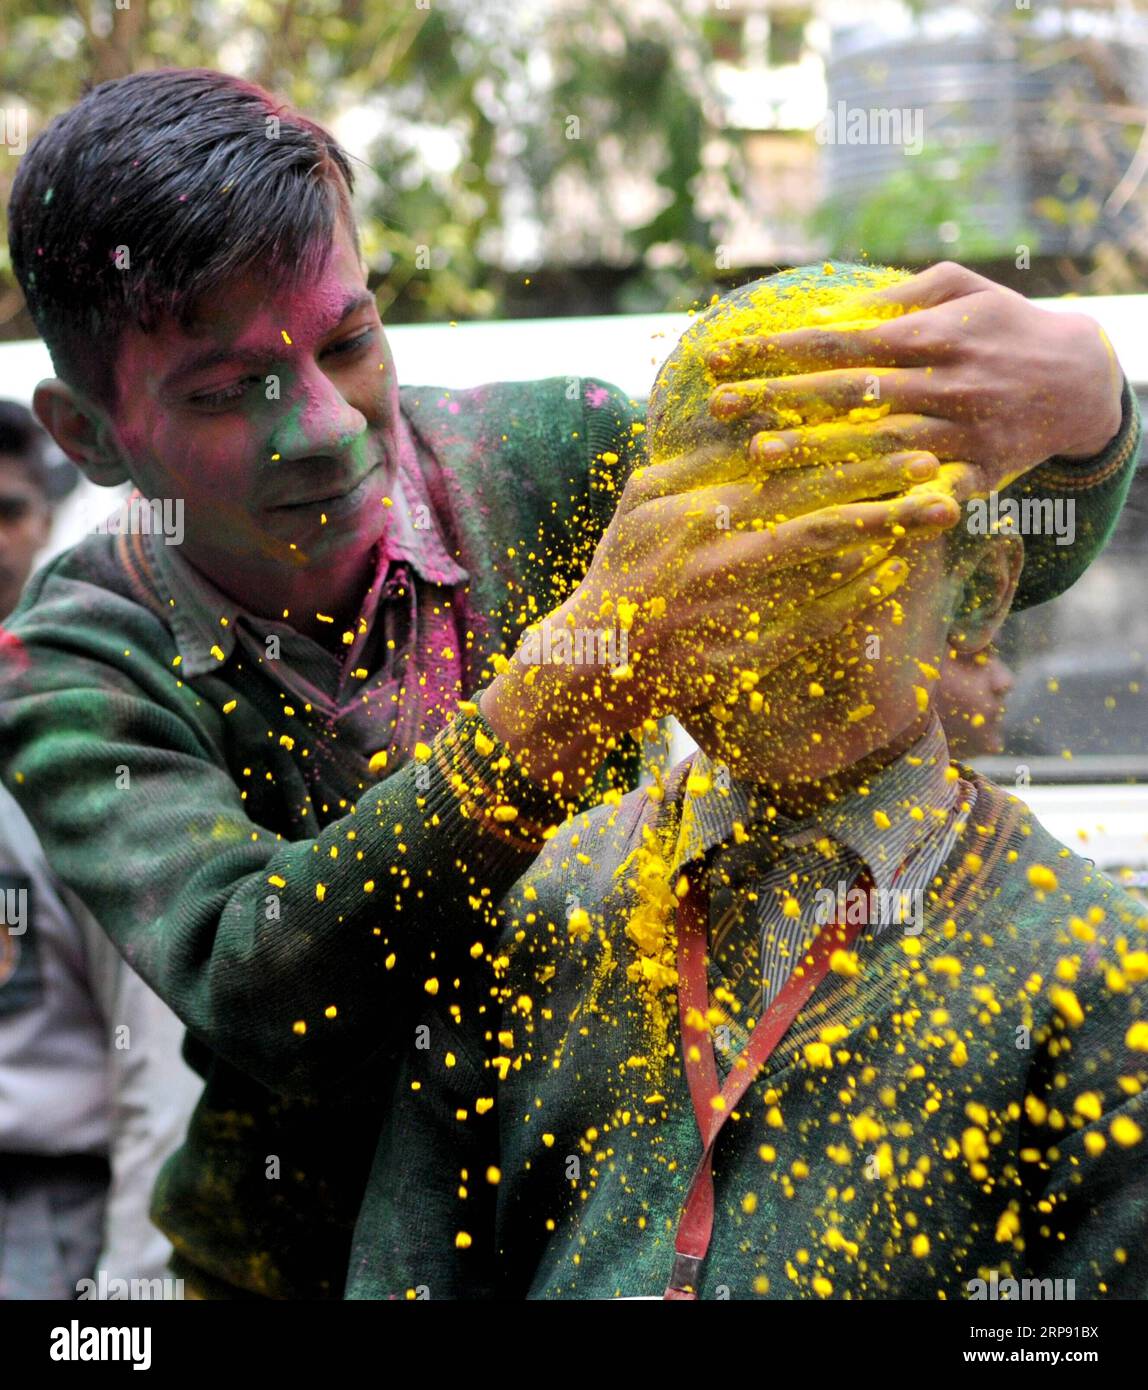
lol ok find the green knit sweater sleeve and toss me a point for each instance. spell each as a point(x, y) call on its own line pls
point(294, 960)
point(1096, 490)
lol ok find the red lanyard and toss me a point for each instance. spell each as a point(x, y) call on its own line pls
point(695, 1229)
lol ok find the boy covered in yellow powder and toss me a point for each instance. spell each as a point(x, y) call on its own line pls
point(824, 1016)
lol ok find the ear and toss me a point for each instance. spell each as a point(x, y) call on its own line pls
point(81, 429)
point(990, 586)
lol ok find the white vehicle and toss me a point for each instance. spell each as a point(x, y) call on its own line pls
point(1077, 728)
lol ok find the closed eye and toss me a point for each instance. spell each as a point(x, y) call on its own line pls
point(227, 394)
point(349, 345)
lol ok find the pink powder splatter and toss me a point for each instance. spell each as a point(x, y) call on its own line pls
point(12, 651)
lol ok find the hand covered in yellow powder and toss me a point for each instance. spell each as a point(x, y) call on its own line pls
point(945, 361)
point(703, 557)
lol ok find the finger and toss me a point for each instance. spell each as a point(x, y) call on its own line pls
point(718, 464)
point(914, 340)
point(697, 467)
point(939, 284)
point(788, 627)
point(829, 614)
point(799, 588)
point(965, 480)
point(818, 396)
point(825, 532)
point(795, 492)
point(766, 404)
point(916, 328)
point(842, 440)
point(928, 337)
point(821, 576)
point(957, 480)
point(797, 584)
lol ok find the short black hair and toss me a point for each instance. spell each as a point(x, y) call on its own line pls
point(154, 189)
point(23, 441)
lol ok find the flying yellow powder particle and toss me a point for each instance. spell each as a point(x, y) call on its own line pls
point(1125, 1131)
point(1042, 878)
point(1067, 1005)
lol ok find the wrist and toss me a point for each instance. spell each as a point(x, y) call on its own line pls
point(1095, 445)
point(488, 785)
point(557, 709)
point(1102, 423)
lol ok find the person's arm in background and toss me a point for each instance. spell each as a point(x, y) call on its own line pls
point(152, 1093)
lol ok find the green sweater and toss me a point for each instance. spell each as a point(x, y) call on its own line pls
point(226, 805)
point(973, 1111)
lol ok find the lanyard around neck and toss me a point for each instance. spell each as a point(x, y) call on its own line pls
point(713, 1104)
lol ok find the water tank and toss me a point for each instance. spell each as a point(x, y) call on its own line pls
point(1018, 121)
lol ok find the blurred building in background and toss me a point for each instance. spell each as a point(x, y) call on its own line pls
point(1014, 138)
point(544, 157)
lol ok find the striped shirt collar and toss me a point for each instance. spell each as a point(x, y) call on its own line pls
point(203, 619)
point(877, 824)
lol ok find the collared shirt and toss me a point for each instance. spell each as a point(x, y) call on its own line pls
point(791, 875)
point(405, 638)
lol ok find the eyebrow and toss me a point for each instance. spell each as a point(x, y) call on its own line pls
point(255, 357)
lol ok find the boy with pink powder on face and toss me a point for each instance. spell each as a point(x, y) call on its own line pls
point(286, 763)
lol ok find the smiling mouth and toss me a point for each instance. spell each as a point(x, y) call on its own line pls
point(330, 498)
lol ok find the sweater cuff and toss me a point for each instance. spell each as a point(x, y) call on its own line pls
point(480, 778)
point(1078, 475)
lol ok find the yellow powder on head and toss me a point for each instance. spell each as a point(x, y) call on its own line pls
point(776, 305)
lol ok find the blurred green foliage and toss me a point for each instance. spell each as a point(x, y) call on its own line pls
point(459, 113)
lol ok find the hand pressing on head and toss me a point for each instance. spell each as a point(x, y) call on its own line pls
point(945, 361)
point(703, 561)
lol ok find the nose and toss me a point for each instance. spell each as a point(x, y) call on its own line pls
point(320, 423)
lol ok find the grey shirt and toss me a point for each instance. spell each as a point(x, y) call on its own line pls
point(90, 1059)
